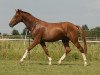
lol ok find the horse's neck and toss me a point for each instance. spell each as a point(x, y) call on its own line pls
point(30, 22)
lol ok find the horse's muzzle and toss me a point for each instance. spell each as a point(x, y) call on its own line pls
point(11, 25)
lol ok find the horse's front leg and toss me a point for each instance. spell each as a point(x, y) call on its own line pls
point(34, 43)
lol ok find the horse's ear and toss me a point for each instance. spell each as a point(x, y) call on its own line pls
point(18, 10)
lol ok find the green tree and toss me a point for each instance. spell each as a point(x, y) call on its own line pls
point(5, 34)
point(24, 31)
point(85, 27)
point(95, 32)
point(15, 32)
point(96, 28)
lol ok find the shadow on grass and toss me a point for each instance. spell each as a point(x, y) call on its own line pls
point(54, 64)
point(63, 64)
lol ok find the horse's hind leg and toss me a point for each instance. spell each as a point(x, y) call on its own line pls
point(82, 51)
point(66, 48)
point(46, 51)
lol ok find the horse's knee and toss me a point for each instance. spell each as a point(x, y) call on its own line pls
point(80, 47)
point(82, 51)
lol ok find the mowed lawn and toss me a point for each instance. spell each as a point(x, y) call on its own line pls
point(12, 67)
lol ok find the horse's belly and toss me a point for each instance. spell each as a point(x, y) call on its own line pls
point(54, 36)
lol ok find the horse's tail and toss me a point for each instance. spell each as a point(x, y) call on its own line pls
point(82, 34)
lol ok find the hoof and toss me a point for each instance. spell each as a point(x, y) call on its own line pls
point(49, 64)
point(85, 64)
point(20, 62)
point(59, 62)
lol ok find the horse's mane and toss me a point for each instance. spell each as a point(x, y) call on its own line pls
point(36, 19)
point(23, 11)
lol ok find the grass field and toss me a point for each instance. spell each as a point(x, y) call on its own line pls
point(12, 67)
point(12, 51)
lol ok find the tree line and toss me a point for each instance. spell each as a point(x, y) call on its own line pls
point(16, 32)
point(94, 32)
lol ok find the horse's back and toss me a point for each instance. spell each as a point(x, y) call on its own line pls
point(53, 32)
point(58, 31)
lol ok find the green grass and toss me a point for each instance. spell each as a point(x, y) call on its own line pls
point(12, 67)
point(12, 51)
point(15, 49)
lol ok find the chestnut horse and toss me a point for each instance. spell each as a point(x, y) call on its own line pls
point(42, 32)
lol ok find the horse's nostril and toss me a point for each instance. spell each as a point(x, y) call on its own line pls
point(10, 25)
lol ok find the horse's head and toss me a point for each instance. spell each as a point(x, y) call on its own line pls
point(16, 19)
